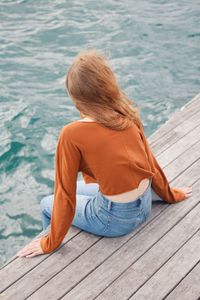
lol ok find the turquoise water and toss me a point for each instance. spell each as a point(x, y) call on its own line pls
point(153, 47)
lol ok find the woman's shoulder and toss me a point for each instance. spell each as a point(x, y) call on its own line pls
point(68, 128)
point(76, 128)
point(73, 125)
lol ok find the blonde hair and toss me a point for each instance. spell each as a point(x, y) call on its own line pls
point(93, 87)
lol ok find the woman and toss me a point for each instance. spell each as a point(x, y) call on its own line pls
point(108, 145)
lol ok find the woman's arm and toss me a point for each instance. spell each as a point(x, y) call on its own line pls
point(67, 163)
point(159, 181)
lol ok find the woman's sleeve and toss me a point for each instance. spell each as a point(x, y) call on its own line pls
point(160, 183)
point(67, 161)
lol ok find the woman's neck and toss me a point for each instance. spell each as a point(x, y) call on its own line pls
point(86, 118)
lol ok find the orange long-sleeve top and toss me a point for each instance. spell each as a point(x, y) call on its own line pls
point(115, 159)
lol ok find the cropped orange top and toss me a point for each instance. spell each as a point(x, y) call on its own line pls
point(115, 159)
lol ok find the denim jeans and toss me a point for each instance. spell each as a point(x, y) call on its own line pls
point(98, 215)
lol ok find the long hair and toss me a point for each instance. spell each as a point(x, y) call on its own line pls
point(93, 87)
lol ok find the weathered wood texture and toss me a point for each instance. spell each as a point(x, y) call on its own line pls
point(159, 260)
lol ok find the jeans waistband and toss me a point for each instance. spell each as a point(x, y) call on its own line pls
point(125, 205)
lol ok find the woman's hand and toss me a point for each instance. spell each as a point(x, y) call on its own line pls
point(187, 191)
point(32, 249)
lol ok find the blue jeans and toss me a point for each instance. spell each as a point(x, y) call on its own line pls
point(98, 215)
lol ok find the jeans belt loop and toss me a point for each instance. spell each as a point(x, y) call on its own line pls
point(109, 204)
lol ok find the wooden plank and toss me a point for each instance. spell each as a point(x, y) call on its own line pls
point(172, 272)
point(189, 176)
point(180, 164)
point(42, 233)
point(189, 287)
point(195, 101)
point(177, 133)
point(176, 118)
point(175, 150)
point(55, 263)
point(139, 272)
point(96, 276)
point(18, 267)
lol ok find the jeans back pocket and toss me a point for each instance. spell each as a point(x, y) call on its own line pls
point(127, 215)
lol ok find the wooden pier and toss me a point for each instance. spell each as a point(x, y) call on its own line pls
point(160, 260)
